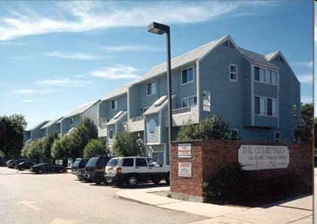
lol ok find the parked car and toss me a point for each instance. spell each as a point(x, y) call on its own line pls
point(78, 168)
point(134, 169)
point(95, 169)
point(26, 164)
point(48, 168)
point(11, 163)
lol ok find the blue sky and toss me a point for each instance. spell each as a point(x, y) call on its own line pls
point(58, 55)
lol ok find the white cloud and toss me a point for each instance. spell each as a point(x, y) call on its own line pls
point(34, 91)
point(28, 101)
point(85, 16)
point(307, 64)
point(117, 72)
point(73, 56)
point(14, 43)
point(64, 82)
point(125, 48)
point(305, 78)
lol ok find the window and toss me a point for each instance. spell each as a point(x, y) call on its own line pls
point(110, 134)
point(153, 162)
point(151, 88)
point(233, 72)
point(265, 106)
point(140, 162)
point(269, 107)
point(265, 75)
point(189, 101)
point(257, 73)
point(127, 162)
point(113, 162)
point(268, 76)
point(114, 104)
point(187, 76)
point(277, 136)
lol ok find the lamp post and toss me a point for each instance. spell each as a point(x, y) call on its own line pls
point(160, 29)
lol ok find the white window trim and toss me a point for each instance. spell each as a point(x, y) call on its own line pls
point(183, 84)
point(146, 90)
point(115, 104)
point(265, 106)
point(187, 97)
point(265, 82)
point(237, 72)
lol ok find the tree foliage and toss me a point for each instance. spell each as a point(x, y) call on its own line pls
point(73, 144)
point(11, 135)
point(95, 147)
point(212, 127)
point(128, 144)
point(304, 133)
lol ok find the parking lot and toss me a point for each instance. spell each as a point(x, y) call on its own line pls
point(62, 199)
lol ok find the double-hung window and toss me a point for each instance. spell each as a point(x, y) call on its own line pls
point(151, 88)
point(189, 101)
point(187, 76)
point(233, 72)
point(265, 106)
point(265, 75)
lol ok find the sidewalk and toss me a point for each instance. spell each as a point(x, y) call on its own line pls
point(298, 211)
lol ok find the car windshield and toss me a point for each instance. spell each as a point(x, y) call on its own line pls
point(82, 163)
point(76, 163)
point(92, 161)
point(113, 162)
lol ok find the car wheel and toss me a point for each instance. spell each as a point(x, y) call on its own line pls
point(40, 171)
point(156, 181)
point(167, 179)
point(61, 170)
point(133, 181)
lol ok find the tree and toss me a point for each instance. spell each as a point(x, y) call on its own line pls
point(128, 144)
point(305, 131)
point(212, 127)
point(11, 135)
point(63, 147)
point(95, 147)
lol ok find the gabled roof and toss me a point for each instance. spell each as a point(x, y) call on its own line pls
point(118, 92)
point(39, 125)
point(257, 58)
point(117, 117)
point(272, 55)
point(82, 109)
point(188, 57)
point(50, 123)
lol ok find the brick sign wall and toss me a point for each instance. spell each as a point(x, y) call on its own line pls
point(209, 157)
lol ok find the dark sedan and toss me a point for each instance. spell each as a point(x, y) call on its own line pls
point(27, 164)
point(48, 168)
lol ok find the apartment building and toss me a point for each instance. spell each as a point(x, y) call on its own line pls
point(256, 94)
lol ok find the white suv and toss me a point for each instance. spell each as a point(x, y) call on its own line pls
point(134, 169)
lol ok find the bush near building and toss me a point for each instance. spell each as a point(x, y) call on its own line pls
point(72, 145)
point(212, 127)
point(95, 147)
point(128, 144)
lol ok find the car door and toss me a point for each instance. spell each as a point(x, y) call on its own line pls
point(142, 168)
point(155, 168)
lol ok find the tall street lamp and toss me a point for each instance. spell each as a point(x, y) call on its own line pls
point(160, 29)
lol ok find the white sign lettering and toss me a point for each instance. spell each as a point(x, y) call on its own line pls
point(263, 157)
point(184, 150)
point(185, 169)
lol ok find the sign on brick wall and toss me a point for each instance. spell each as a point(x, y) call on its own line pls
point(184, 150)
point(262, 157)
point(185, 169)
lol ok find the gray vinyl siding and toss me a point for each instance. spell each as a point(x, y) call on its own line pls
point(289, 96)
point(227, 97)
point(66, 123)
point(55, 128)
point(105, 108)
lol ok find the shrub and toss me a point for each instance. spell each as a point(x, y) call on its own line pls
point(95, 147)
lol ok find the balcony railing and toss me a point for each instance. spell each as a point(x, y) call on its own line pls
point(181, 110)
point(103, 122)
